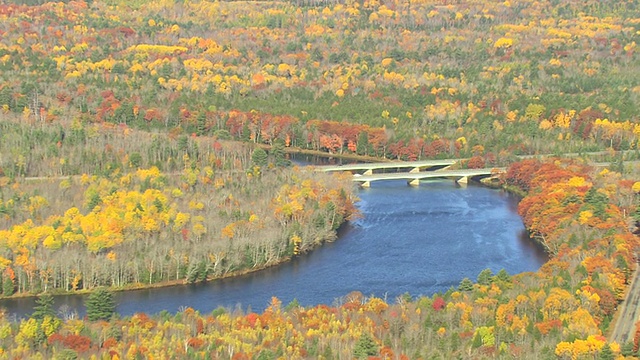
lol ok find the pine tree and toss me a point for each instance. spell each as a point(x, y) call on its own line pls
point(135, 160)
point(328, 353)
point(66, 354)
point(44, 307)
point(246, 133)
point(365, 347)
point(485, 277)
point(259, 157)
point(100, 305)
point(363, 143)
point(606, 353)
point(636, 216)
point(94, 201)
point(7, 286)
point(503, 276)
point(278, 153)
point(465, 285)
point(626, 349)
point(202, 124)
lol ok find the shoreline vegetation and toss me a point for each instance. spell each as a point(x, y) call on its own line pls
point(133, 142)
point(195, 220)
point(179, 282)
point(182, 158)
point(242, 272)
point(561, 195)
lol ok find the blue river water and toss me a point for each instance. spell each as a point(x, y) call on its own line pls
point(416, 240)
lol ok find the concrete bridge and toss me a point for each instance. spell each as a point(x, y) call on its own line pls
point(413, 178)
point(368, 168)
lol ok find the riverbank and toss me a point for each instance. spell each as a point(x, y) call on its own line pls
point(416, 240)
point(354, 157)
point(180, 282)
point(226, 274)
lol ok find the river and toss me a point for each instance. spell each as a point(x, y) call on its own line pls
point(416, 240)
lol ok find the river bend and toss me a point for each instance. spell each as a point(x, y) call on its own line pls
point(417, 240)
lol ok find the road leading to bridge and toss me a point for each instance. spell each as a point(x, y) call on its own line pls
point(628, 312)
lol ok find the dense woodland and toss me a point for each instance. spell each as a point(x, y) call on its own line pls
point(396, 79)
point(585, 218)
point(120, 166)
point(213, 210)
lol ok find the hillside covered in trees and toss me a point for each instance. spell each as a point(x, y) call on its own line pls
point(132, 137)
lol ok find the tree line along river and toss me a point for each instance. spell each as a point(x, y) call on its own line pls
point(415, 240)
point(410, 240)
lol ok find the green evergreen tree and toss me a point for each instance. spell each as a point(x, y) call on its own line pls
point(7, 286)
point(135, 160)
point(503, 276)
point(617, 164)
point(598, 201)
point(465, 285)
point(202, 124)
point(158, 204)
point(44, 307)
point(485, 277)
point(362, 144)
point(455, 341)
point(365, 347)
point(183, 143)
point(622, 264)
point(636, 215)
point(259, 157)
point(94, 201)
point(294, 304)
point(114, 331)
point(246, 133)
point(266, 355)
point(278, 154)
point(626, 349)
point(606, 353)
point(100, 305)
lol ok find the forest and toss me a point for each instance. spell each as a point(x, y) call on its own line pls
point(563, 311)
point(213, 210)
point(392, 79)
point(145, 143)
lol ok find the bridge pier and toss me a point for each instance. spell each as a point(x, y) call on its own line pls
point(413, 178)
point(414, 170)
point(368, 172)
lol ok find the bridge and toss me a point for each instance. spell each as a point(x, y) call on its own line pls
point(368, 168)
point(435, 169)
point(413, 178)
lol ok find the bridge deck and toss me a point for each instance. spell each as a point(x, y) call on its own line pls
point(427, 175)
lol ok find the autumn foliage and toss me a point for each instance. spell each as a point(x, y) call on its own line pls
point(562, 310)
point(368, 78)
point(135, 226)
point(117, 167)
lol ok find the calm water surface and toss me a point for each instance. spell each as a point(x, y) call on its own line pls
point(417, 240)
